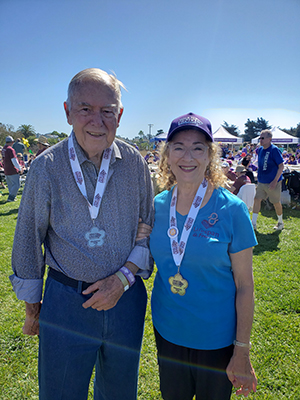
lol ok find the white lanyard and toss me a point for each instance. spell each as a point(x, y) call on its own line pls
point(178, 250)
point(79, 178)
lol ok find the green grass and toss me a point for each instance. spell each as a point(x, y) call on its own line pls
point(275, 335)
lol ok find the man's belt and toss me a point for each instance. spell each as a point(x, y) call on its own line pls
point(65, 280)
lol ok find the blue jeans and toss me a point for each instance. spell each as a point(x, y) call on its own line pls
point(13, 184)
point(73, 340)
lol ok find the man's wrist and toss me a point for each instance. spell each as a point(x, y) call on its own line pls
point(132, 267)
point(128, 275)
point(123, 279)
point(33, 309)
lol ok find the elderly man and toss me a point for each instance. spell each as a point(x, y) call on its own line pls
point(82, 201)
point(12, 168)
point(270, 167)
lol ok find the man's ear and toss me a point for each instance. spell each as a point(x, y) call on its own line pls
point(67, 111)
point(120, 115)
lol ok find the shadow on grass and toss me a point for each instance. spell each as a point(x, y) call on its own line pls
point(267, 242)
point(9, 212)
point(287, 212)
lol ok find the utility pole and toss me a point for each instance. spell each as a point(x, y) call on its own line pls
point(149, 134)
point(150, 126)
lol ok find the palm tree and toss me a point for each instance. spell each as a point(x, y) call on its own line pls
point(26, 130)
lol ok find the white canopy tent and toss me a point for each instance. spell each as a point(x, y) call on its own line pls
point(279, 137)
point(159, 137)
point(222, 135)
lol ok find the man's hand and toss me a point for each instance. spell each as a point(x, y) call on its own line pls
point(273, 184)
point(31, 325)
point(108, 291)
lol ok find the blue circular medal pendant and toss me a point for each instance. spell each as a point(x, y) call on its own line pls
point(178, 284)
point(172, 232)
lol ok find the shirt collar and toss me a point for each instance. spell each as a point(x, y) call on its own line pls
point(82, 157)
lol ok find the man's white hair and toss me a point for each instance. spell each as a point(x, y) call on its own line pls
point(95, 75)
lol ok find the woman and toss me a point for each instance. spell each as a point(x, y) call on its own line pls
point(291, 160)
point(246, 162)
point(230, 156)
point(202, 300)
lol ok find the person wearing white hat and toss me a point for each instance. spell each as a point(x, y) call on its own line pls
point(42, 145)
point(12, 168)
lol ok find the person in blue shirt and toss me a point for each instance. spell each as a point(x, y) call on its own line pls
point(269, 176)
point(202, 300)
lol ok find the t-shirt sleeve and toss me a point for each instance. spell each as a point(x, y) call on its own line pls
point(243, 235)
point(277, 156)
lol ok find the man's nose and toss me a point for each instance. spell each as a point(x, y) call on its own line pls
point(97, 118)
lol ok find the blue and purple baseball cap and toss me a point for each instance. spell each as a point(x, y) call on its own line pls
point(190, 121)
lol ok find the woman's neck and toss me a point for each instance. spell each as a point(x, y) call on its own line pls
point(187, 190)
point(186, 194)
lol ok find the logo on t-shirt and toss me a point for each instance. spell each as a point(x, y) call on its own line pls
point(207, 223)
point(265, 166)
point(211, 220)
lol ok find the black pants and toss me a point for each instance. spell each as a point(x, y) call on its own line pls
point(186, 372)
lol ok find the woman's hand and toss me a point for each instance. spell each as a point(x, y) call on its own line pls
point(241, 373)
point(144, 231)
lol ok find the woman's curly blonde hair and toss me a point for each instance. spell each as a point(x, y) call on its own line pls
point(214, 174)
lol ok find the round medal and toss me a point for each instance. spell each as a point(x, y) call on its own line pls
point(172, 232)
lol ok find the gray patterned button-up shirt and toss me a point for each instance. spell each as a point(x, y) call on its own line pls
point(54, 215)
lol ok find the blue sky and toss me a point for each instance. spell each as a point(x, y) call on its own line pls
point(223, 59)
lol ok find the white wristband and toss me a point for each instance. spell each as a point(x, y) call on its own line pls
point(123, 279)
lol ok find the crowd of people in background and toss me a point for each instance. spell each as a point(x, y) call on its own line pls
point(230, 159)
point(14, 163)
point(239, 165)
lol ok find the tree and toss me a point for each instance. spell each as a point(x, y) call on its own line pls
point(62, 135)
point(141, 135)
point(253, 128)
point(262, 124)
point(6, 130)
point(32, 141)
point(26, 130)
point(232, 129)
point(250, 131)
point(293, 131)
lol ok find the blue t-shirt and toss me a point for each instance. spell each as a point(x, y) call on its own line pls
point(205, 317)
point(268, 161)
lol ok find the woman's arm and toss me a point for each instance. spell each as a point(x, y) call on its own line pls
point(240, 371)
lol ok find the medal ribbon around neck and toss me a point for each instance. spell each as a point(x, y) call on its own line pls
point(178, 284)
point(79, 179)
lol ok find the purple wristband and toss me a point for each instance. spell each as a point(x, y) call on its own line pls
point(128, 275)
